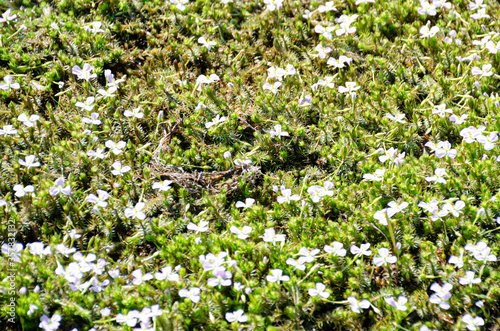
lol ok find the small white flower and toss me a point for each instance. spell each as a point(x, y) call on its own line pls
point(277, 276)
point(384, 257)
point(357, 304)
point(277, 132)
point(202, 226)
point(218, 119)
point(336, 249)
point(242, 233)
point(319, 290)
point(29, 121)
point(207, 43)
point(400, 304)
point(247, 204)
point(469, 278)
point(236, 316)
point(136, 112)
point(472, 323)
point(21, 190)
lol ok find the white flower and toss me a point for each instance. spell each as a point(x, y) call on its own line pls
point(324, 31)
point(50, 324)
point(336, 249)
point(350, 87)
point(384, 215)
point(207, 43)
point(38, 248)
point(340, 62)
point(307, 255)
point(469, 278)
point(427, 8)
point(384, 257)
point(139, 278)
point(319, 290)
point(32, 308)
point(167, 273)
point(328, 82)
point(277, 276)
point(271, 236)
point(428, 33)
point(345, 24)
point(322, 51)
point(99, 201)
point(136, 112)
point(444, 149)
point(130, 319)
point(481, 13)
point(202, 226)
point(8, 85)
point(458, 119)
point(29, 162)
point(136, 211)
point(59, 187)
point(277, 132)
point(192, 294)
point(272, 5)
point(6, 17)
point(119, 170)
point(29, 121)
point(363, 249)
point(441, 110)
point(7, 130)
point(378, 175)
point(488, 141)
point(438, 177)
point(357, 304)
point(492, 48)
point(12, 250)
point(242, 233)
point(94, 27)
point(98, 153)
point(457, 261)
point(247, 204)
point(472, 323)
point(481, 251)
point(222, 277)
point(92, 120)
point(454, 209)
point(163, 185)
point(272, 87)
point(180, 4)
point(116, 148)
point(21, 190)
point(400, 118)
point(85, 72)
point(237, 315)
point(287, 196)
point(218, 119)
point(400, 304)
point(275, 72)
point(441, 291)
point(202, 79)
point(329, 6)
point(452, 34)
point(485, 70)
point(297, 264)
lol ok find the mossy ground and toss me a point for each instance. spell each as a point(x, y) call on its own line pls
point(154, 47)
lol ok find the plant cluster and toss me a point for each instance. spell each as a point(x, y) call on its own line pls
point(249, 164)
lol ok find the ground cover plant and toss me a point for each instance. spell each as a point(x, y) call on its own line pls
point(249, 164)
